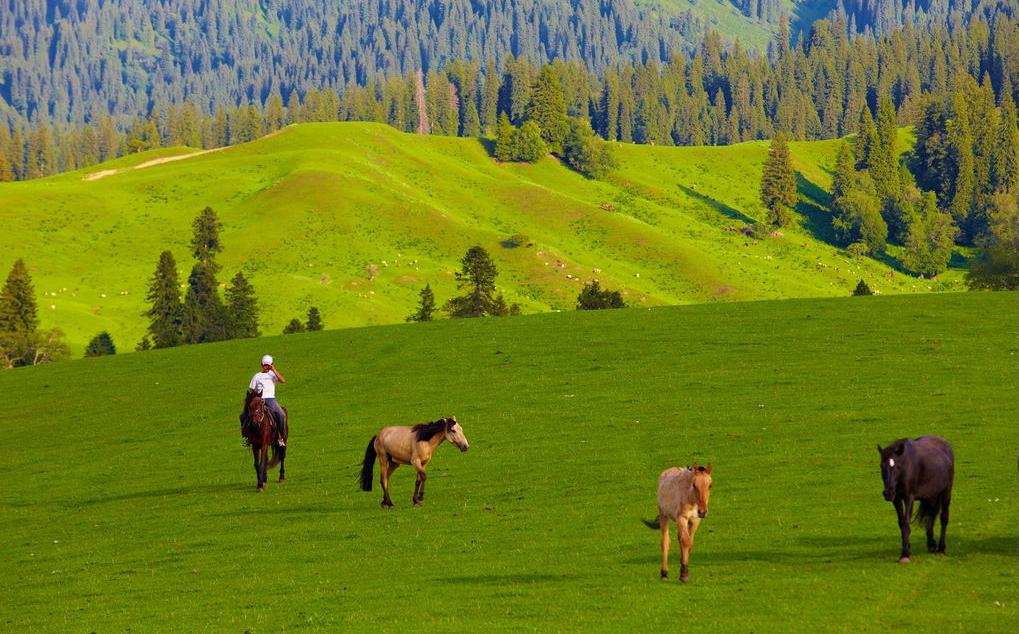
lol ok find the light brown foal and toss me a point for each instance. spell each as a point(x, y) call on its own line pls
point(683, 498)
point(408, 444)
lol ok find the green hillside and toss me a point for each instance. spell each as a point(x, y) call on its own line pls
point(355, 218)
point(128, 502)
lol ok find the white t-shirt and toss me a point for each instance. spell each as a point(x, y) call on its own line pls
point(267, 380)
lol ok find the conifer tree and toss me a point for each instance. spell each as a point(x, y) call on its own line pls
point(205, 243)
point(167, 312)
point(293, 327)
point(205, 318)
point(18, 312)
point(504, 139)
point(844, 178)
point(867, 141)
point(426, 306)
point(960, 147)
point(1005, 165)
point(594, 297)
point(883, 165)
point(477, 277)
point(547, 108)
point(242, 308)
point(778, 183)
point(314, 322)
point(100, 345)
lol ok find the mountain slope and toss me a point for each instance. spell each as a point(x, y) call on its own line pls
point(356, 218)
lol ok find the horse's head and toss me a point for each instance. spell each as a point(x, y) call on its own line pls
point(455, 434)
point(255, 406)
point(702, 487)
point(893, 463)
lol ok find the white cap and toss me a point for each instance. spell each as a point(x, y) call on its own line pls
point(267, 359)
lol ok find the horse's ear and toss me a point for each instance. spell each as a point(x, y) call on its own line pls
point(879, 449)
point(900, 448)
point(708, 468)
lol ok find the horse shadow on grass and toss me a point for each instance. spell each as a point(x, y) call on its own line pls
point(719, 206)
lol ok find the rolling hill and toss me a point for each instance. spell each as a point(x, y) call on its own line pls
point(128, 502)
point(356, 218)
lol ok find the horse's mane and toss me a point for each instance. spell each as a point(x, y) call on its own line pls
point(425, 431)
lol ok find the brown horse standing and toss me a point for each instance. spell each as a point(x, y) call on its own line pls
point(408, 444)
point(262, 435)
point(683, 498)
point(919, 470)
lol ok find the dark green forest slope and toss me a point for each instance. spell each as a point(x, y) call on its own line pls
point(69, 61)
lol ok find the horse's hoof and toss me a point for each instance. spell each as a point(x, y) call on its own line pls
point(419, 504)
point(280, 480)
point(387, 506)
point(665, 576)
point(684, 578)
point(904, 560)
point(940, 553)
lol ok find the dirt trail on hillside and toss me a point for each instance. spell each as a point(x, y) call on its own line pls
point(159, 161)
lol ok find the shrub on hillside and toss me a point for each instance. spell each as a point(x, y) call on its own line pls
point(101, 345)
point(594, 297)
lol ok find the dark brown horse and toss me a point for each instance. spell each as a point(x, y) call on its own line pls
point(919, 470)
point(262, 435)
point(408, 444)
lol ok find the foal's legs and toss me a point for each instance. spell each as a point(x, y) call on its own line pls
point(687, 529)
point(663, 523)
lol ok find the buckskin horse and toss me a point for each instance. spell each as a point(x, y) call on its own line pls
point(262, 435)
point(408, 444)
point(683, 498)
point(919, 470)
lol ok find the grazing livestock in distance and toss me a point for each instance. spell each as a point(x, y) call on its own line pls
point(408, 444)
point(921, 469)
point(683, 498)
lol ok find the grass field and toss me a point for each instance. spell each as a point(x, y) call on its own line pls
point(356, 218)
point(129, 504)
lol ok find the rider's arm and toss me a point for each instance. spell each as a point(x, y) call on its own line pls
point(277, 373)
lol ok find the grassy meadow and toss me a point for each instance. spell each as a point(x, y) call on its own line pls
point(129, 504)
point(356, 218)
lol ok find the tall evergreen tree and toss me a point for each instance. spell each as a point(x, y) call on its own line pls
point(547, 108)
point(930, 239)
point(1005, 157)
point(205, 243)
point(426, 306)
point(778, 183)
point(504, 139)
point(205, 318)
point(476, 276)
point(18, 312)
point(314, 322)
point(100, 345)
point(242, 308)
point(166, 312)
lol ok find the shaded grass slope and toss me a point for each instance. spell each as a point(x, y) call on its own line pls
point(356, 218)
point(128, 502)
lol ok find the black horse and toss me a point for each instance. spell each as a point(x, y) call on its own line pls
point(919, 470)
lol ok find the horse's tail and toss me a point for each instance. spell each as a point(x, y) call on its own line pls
point(927, 511)
point(655, 523)
point(277, 455)
point(368, 466)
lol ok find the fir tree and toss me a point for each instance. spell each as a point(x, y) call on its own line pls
point(960, 188)
point(477, 277)
point(547, 108)
point(314, 322)
point(205, 318)
point(205, 243)
point(242, 308)
point(1005, 163)
point(504, 139)
point(862, 289)
point(293, 327)
point(167, 312)
point(426, 306)
point(778, 183)
point(18, 312)
point(844, 178)
point(883, 165)
point(100, 345)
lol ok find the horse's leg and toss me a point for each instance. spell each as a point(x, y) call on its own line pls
point(904, 508)
point(283, 459)
point(386, 467)
point(265, 465)
point(419, 483)
point(945, 501)
point(258, 473)
point(929, 526)
point(663, 523)
point(685, 544)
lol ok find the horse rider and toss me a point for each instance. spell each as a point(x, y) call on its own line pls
point(265, 382)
